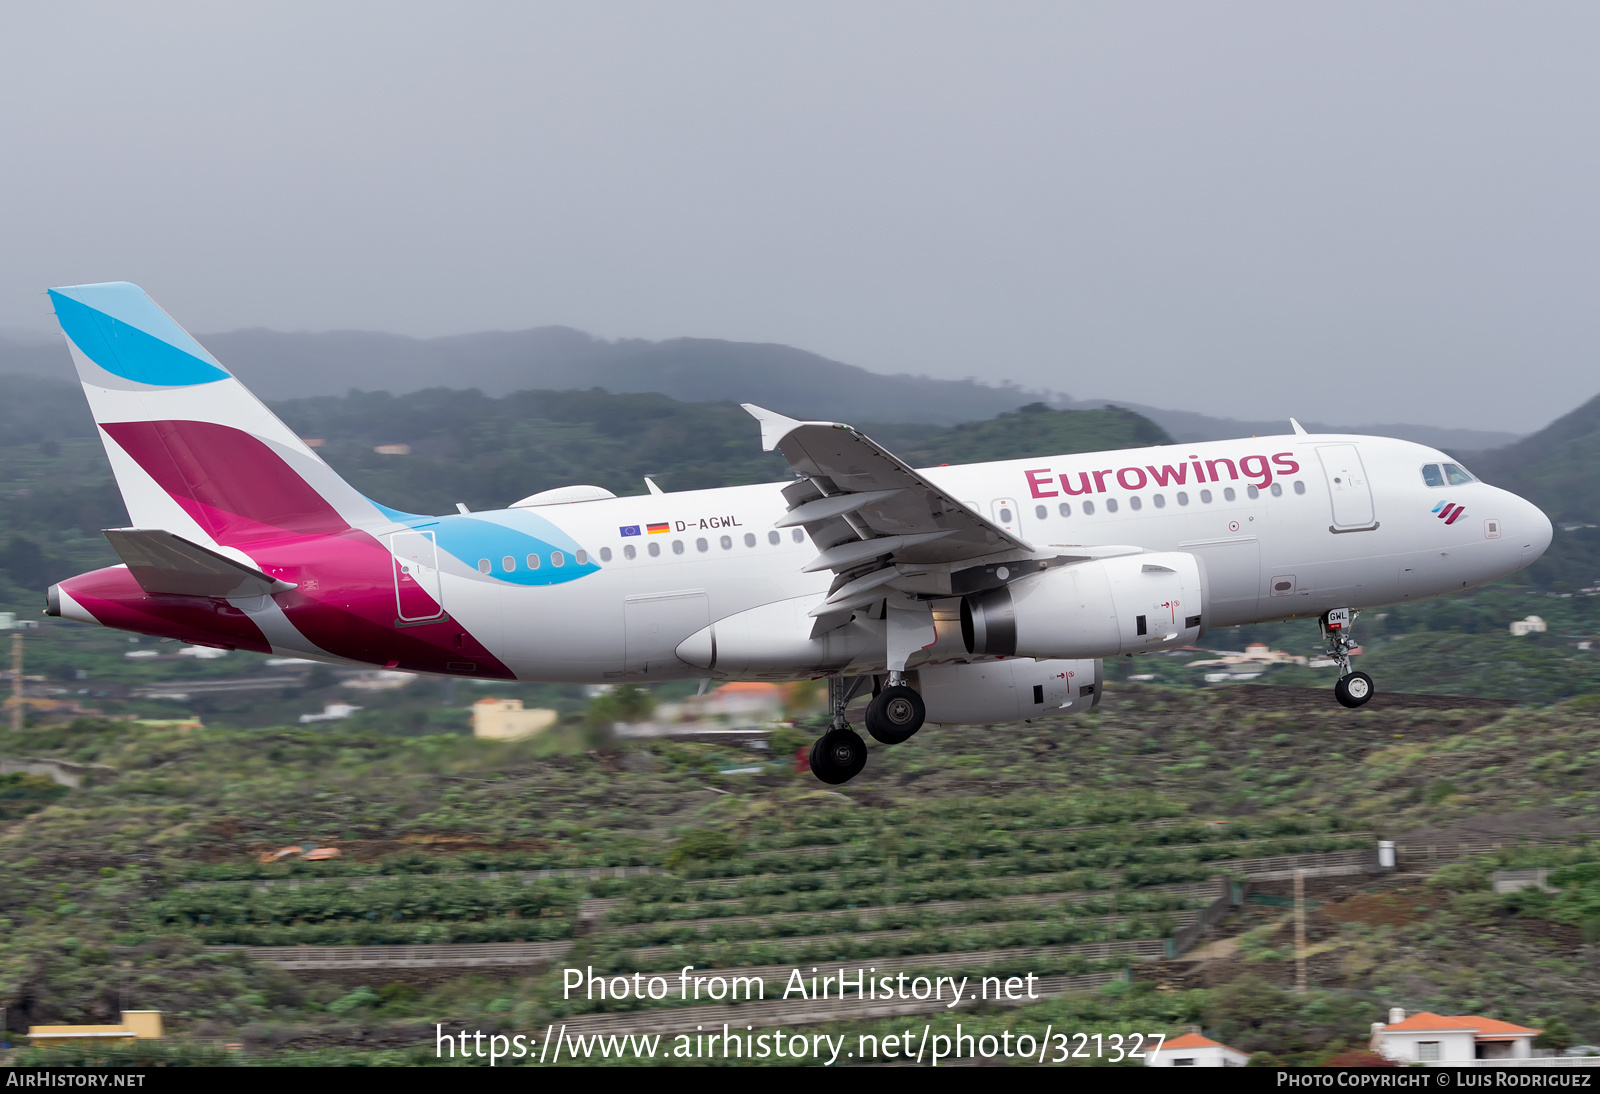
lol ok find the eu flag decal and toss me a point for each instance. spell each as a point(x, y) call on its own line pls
point(629, 530)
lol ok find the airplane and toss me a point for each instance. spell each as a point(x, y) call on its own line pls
point(974, 594)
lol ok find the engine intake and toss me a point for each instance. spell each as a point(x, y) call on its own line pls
point(1098, 608)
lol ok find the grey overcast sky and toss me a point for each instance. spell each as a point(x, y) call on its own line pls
point(1347, 211)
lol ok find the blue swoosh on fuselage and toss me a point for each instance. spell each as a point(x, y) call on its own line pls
point(515, 533)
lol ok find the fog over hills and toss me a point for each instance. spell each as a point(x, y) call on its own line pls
point(278, 365)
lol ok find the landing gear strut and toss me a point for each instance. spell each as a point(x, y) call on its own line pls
point(840, 754)
point(1353, 688)
point(896, 712)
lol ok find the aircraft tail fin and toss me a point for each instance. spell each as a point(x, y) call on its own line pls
point(193, 451)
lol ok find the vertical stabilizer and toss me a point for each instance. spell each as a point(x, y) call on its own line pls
point(193, 451)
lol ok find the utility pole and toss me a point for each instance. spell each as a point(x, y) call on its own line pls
point(16, 684)
point(1300, 930)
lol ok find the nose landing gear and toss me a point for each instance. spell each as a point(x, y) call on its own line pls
point(1353, 688)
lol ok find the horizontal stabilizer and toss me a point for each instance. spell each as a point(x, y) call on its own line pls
point(164, 563)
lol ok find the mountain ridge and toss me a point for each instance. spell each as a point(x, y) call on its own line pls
point(279, 365)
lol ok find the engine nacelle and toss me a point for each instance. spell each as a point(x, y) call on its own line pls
point(1098, 608)
point(1004, 691)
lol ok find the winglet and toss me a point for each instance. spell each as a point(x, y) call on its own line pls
point(774, 426)
point(1298, 428)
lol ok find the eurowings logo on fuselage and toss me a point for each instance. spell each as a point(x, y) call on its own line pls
point(1449, 511)
point(1255, 470)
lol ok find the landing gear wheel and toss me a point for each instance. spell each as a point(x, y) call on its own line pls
point(1353, 690)
point(838, 756)
point(896, 714)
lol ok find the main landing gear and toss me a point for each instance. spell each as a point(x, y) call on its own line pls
point(894, 715)
point(840, 754)
point(1353, 688)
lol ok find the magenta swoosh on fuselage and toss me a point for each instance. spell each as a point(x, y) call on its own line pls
point(113, 597)
point(344, 601)
point(233, 485)
point(243, 494)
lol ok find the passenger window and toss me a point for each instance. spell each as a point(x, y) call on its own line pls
point(508, 564)
point(1111, 505)
point(1431, 475)
point(1183, 497)
point(1228, 493)
point(701, 544)
point(1299, 487)
point(1456, 475)
point(533, 562)
point(773, 537)
point(799, 535)
point(1005, 514)
point(557, 558)
point(727, 543)
point(582, 557)
point(605, 554)
point(1088, 508)
point(484, 566)
point(629, 553)
point(654, 548)
point(1252, 492)
point(1277, 489)
point(677, 546)
point(1041, 512)
point(1064, 509)
point(749, 539)
point(1205, 497)
point(1160, 500)
point(1136, 502)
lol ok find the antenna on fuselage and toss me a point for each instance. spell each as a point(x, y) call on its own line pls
point(651, 483)
point(1298, 428)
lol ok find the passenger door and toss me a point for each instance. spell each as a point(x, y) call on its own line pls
point(1348, 487)
point(416, 576)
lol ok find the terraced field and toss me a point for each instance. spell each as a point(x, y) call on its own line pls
point(1086, 853)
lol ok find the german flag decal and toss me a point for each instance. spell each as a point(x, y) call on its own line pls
point(658, 529)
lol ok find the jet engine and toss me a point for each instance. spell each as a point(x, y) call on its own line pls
point(1004, 691)
point(1096, 608)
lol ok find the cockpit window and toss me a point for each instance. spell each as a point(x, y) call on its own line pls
point(1432, 476)
point(1456, 475)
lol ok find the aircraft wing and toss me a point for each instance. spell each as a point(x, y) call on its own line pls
point(164, 563)
point(867, 510)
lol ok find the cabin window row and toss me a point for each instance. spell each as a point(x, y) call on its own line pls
point(701, 544)
point(1159, 501)
point(508, 564)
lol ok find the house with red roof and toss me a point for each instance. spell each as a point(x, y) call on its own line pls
point(1194, 1050)
point(1444, 1038)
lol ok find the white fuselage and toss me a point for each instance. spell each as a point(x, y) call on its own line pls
point(1287, 526)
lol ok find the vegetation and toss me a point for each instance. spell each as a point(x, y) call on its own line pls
point(1054, 834)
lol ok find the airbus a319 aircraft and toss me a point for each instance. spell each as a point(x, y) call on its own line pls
point(974, 594)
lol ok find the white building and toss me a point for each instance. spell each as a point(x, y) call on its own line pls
point(1531, 625)
point(1430, 1038)
point(1193, 1050)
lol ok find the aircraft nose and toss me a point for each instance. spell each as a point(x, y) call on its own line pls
point(1534, 531)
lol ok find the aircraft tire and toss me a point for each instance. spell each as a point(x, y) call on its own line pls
point(895, 715)
point(1354, 690)
point(838, 756)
